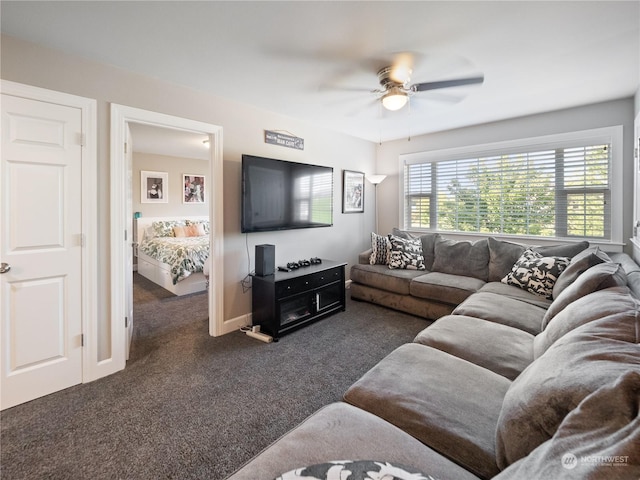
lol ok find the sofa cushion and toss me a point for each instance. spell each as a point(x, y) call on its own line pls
point(631, 268)
point(553, 385)
point(516, 293)
point(504, 310)
point(469, 259)
point(502, 256)
point(380, 276)
point(562, 250)
point(406, 253)
point(603, 275)
point(535, 273)
point(380, 249)
point(577, 266)
point(599, 439)
point(428, 243)
point(420, 307)
point(504, 350)
point(593, 306)
point(447, 403)
point(340, 431)
point(443, 287)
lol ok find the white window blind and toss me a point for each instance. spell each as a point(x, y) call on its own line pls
point(554, 191)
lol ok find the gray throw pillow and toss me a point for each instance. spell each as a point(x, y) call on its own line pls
point(469, 259)
point(578, 265)
point(553, 385)
point(502, 256)
point(598, 277)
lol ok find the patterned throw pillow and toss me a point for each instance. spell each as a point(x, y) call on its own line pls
point(535, 273)
point(356, 470)
point(164, 228)
point(380, 249)
point(406, 253)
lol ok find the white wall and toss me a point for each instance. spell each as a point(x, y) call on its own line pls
point(618, 112)
point(243, 126)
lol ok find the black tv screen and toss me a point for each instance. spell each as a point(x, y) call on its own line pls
point(282, 195)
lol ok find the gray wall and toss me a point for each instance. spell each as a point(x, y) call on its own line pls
point(243, 132)
point(618, 112)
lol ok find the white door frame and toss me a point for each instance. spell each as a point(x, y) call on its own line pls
point(120, 116)
point(92, 367)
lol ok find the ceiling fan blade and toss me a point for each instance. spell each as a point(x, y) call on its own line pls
point(421, 87)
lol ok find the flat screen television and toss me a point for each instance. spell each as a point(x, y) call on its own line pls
point(282, 195)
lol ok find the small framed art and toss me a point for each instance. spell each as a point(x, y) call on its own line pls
point(352, 192)
point(194, 188)
point(154, 187)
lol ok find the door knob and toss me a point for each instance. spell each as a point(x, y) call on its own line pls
point(4, 267)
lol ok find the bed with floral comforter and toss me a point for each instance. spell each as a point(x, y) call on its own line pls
point(185, 255)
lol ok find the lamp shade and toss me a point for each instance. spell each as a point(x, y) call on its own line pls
point(376, 179)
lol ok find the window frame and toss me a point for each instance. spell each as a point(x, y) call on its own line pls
point(606, 135)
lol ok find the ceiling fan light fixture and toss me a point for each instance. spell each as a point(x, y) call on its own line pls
point(394, 100)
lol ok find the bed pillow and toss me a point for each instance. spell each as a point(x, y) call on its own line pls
point(535, 273)
point(179, 231)
point(205, 225)
point(406, 253)
point(164, 228)
point(380, 249)
point(195, 230)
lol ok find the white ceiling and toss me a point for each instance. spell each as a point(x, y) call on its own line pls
point(293, 58)
point(169, 142)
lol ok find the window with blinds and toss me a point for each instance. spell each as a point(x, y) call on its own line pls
point(557, 191)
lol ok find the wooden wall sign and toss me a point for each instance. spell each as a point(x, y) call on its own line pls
point(283, 140)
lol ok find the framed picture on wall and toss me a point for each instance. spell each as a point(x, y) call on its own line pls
point(154, 187)
point(352, 192)
point(194, 191)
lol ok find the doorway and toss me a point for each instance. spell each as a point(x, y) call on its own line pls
point(121, 237)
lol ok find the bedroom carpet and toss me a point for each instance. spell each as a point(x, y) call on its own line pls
point(190, 406)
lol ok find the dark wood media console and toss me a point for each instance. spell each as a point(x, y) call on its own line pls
point(285, 301)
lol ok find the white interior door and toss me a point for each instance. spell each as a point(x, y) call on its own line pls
point(129, 240)
point(41, 247)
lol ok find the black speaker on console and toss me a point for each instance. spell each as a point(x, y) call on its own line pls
point(265, 260)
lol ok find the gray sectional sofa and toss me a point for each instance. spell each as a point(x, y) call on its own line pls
point(506, 384)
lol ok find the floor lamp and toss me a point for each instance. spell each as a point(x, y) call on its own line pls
point(376, 180)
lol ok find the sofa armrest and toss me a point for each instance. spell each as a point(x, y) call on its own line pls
point(363, 258)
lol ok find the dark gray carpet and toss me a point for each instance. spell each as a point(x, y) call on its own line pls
point(190, 406)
